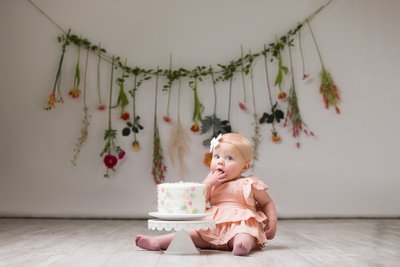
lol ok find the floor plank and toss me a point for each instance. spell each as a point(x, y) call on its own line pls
point(66, 242)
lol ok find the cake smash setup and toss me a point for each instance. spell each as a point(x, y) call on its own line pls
point(181, 207)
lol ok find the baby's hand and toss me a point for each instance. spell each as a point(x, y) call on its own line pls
point(270, 229)
point(215, 178)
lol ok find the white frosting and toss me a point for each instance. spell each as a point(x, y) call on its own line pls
point(181, 198)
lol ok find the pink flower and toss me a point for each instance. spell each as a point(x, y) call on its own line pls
point(110, 161)
point(305, 76)
point(167, 118)
point(189, 203)
point(242, 106)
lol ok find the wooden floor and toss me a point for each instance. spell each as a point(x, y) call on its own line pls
point(57, 242)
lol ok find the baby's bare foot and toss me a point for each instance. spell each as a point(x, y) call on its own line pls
point(147, 242)
point(241, 249)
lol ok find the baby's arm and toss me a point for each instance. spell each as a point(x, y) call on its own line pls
point(267, 205)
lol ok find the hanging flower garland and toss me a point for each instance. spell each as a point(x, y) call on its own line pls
point(159, 169)
point(226, 72)
point(111, 152)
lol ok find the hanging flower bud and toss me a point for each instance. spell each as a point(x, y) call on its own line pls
point(136, 146)
point(282, 95)
point(275, 137)
point(124, 116)
point(167, 119)
point(101, 106)
point(195, 128)
point(242, 106)
point(74, 93)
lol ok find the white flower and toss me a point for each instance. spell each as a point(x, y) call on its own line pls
point(214, 142)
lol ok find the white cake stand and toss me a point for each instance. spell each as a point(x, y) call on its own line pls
point(181, 244)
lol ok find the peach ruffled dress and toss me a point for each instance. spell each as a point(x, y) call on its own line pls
point(233, 208)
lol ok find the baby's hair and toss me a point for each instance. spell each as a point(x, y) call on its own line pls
point(241, 142)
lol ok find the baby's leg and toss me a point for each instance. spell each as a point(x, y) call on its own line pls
point(199, 241)
point(153, 242)
point(242, 244)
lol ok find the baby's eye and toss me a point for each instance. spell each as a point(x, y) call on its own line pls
point(216, 156)
point(229, 158)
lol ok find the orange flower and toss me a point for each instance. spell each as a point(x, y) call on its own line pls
point(276, 138)
point(52, 101)
point(74, 93)
point(282, 95)
point(207, 159)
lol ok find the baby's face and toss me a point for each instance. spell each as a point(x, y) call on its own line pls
point(228, 159)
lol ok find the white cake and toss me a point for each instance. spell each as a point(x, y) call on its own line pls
point(181, 198)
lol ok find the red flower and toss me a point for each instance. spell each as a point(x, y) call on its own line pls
point(110, 161)
point(124, 116)
point(121, 154)
point(167, 119)
point(195, 128)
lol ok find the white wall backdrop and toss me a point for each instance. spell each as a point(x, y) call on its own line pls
point(350, 169)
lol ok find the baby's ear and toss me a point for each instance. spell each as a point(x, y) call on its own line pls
point(246, 166)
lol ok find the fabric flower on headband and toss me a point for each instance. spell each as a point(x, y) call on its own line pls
point(214, 142)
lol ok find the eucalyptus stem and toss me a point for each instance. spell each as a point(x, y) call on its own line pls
point(110, 97)
point(179, 100)
point(316, 45)
point(268, 86)
point(170, 88)
point(134, 104)
point(243, 81)
point(230, 98)
point(98, 74)
point(84, 78)
point(252, 85)
point(301, 53)
point(215, 90)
